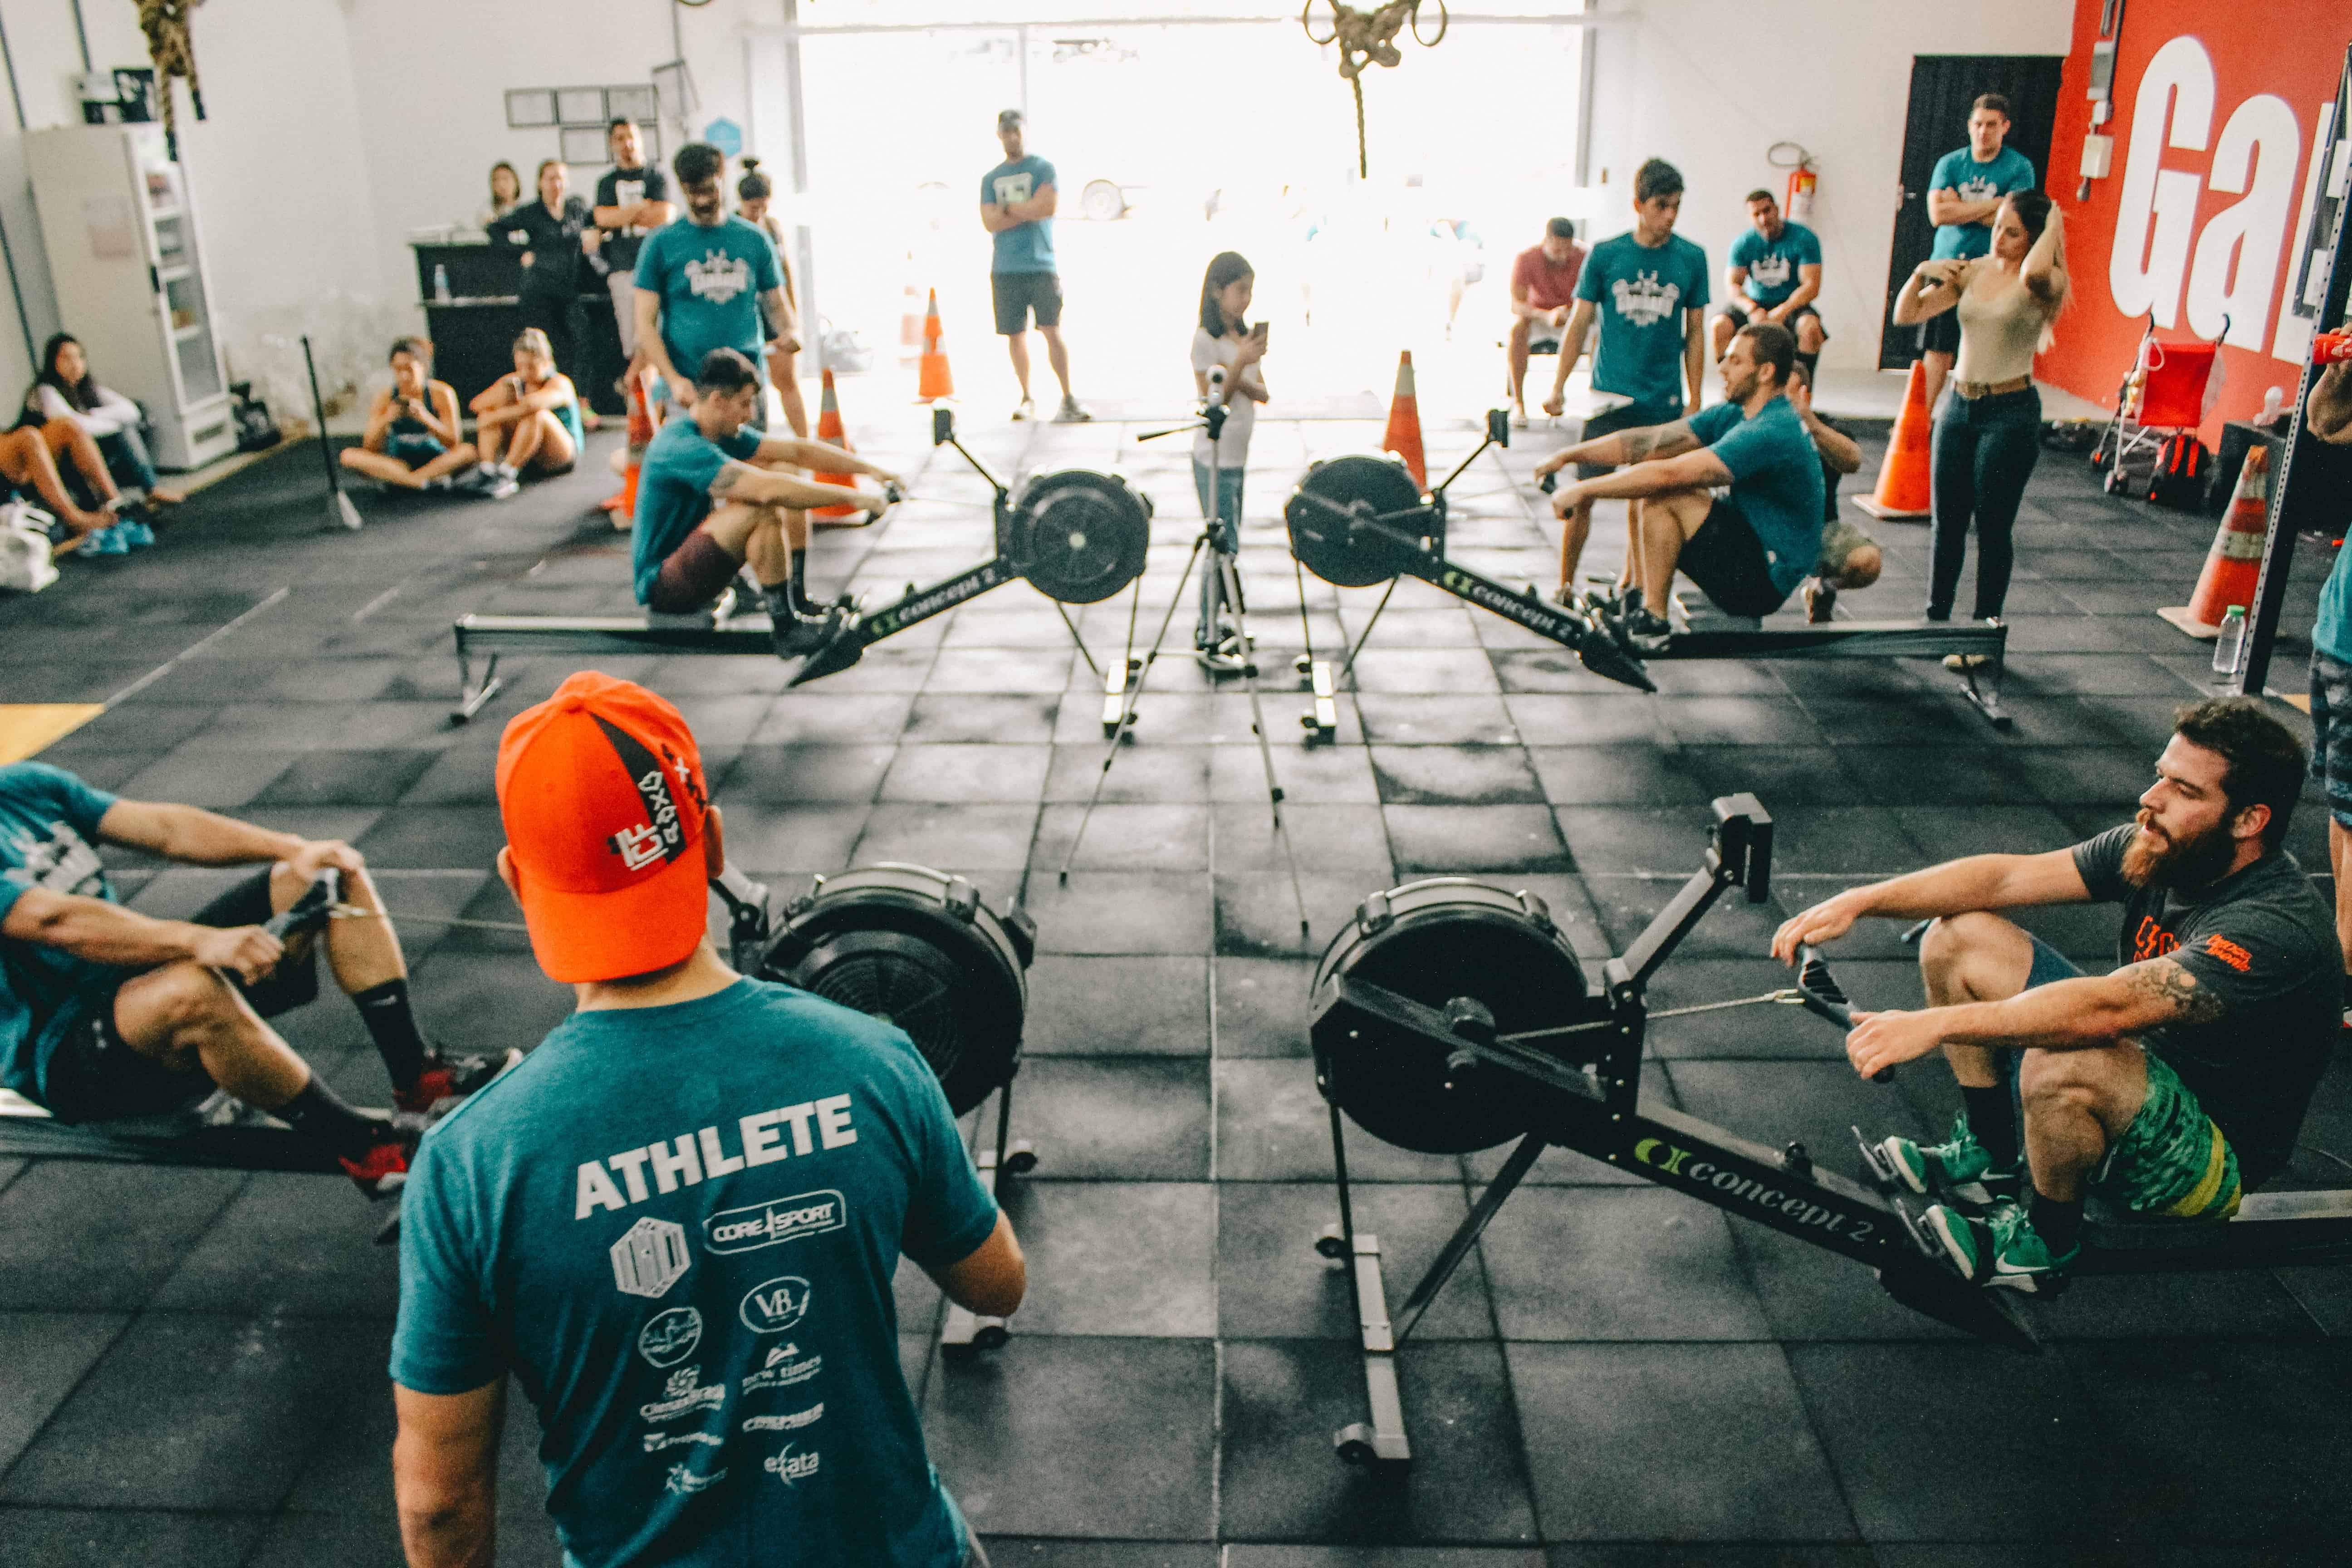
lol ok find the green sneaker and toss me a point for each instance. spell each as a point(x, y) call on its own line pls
point(2000, 1251)
point(1959, 1169)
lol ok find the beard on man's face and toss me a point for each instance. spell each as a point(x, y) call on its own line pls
point(2155, 860)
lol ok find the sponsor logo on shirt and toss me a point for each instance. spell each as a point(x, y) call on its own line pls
point(785, 1366)
point(650, 1257)
point(1643, 301)
point(774, 1306)
point(1012, 188)
point(2228, 952)
point(718, 276)
point(789, 1468)
point(1770, 271)
point(1978, 188)
point(683, 1394)
point(703, 1154)
point(792, 1423)
point(671, 1337)
point(62, 863)
point(773, 1224)
point(686, 1483)
point(657, 1441)
point(2152, 941)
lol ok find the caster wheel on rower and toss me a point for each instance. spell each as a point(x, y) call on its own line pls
point(1019, 1158)
point(1354, 1444)
point(1330, 1243)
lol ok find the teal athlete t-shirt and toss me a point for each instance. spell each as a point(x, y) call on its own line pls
point(48, 839)
point(1776, 481)
point(1640, 293)
point(1772, 264)
point(709, 279)
point(673, 490)
point(677, 1227)
point(1026, 247)
point(2331, 634)
point(1959, 173)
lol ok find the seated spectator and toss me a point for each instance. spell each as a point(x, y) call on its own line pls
point(1543, 292)
point(1849, 558)
point(705, 510)
point(30, 468)
point(752, 194)
point(414, 441)
point(1776, 274)
point(547, 231)
point(65, 391)
point(506, 194)
point(527, 422)
point(107, 1014)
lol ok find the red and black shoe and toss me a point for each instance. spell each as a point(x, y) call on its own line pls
point(450, 1079)
point(383, 1170)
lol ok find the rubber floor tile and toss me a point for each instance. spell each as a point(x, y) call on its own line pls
point(1274, 1126)
point(1615, 1263)
point(1129, 1258)
point(1118, 1007)
point(1274, 1284)
point(1262, 1005)
point(80, 1537)
point(101, 1238)
point(1117, 1119)
point(290, 1246)
point(1124, 836)
point(1629, 774)
point(45, 1354)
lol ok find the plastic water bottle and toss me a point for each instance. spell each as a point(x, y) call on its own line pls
point(2229, 647)
point(440, 283)
point(2274, 399)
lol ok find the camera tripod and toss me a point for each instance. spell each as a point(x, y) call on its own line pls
point(1220, 542)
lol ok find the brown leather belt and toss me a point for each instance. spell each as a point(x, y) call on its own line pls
point(1972, 390)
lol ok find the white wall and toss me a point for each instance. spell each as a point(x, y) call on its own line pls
point(1708, 85)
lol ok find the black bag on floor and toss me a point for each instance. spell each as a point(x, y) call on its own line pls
point(2184, 466)
point(256, 430)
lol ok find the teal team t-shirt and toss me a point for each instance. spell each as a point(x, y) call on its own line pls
point(1776, 481)
point(1028, 247)
point(1772, 263)
point(1959, 173)
point(48, 839)
point(677, 1227)
point(2331, 634)
point(1640, 294)
point(709, 280)
point(673, 490)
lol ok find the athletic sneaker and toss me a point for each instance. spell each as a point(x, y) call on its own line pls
point(1821, 599)
point(1519, 418)
point(1072, 412)
point(2003, 1249)
point(1224, 658)
point(1645, 632)
point(383, 1170)
point(1024, 409)
point(107, 541)
point(800, 634)
point(1961, 1168)
point(500, 486)
point(136, 534)
point(451, 1078)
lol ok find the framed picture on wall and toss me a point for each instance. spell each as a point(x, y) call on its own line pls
point(580, 105)
point(634, 102)
point(529, 107)
point(585, 146)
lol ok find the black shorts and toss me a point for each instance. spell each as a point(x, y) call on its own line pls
point(1021, 294)
point(1726, 559)
point(1739, 307)
point(95, 1076)
point(1940, 333)
point(692, 575)
point(1631, 416)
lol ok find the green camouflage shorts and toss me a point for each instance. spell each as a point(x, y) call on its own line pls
point(2172, 1160)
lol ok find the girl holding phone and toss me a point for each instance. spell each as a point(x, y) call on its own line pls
point(1225, 347)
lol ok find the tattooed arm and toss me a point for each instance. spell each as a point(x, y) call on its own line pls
point(1622, 446)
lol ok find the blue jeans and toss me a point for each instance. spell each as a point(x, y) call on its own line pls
point(1225, 506)
point(1981, 454)
point(125, 452)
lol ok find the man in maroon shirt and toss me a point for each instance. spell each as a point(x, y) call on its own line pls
point(1543, 292)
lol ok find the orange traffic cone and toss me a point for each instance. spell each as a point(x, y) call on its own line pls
point(1903, 490)
point(2235, 562)
point(1403, 433)
point(641, 435)
point(829, 431)
point(932, 380)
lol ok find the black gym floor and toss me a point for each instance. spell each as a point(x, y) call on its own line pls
point(192, 1363)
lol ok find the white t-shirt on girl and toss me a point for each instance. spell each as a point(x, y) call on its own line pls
point(1233, 448)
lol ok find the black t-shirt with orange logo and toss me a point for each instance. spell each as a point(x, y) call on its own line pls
point(2262, 940)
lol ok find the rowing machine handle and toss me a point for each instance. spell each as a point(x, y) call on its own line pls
point(311, 909)
point(1824, 997)
point(1549, 483)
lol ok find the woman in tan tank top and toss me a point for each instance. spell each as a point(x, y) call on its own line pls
point(1988, 429)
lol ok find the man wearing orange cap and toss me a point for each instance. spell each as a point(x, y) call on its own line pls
point(676, 1222)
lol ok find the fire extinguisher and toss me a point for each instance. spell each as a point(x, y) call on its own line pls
point(1800, 205)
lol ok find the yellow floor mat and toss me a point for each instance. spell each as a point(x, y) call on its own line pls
point(27, 727)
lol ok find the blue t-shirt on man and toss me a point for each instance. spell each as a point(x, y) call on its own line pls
point(1640, 293)
point(1772, 264)
point(2331, 634)
point(709, 279)
point(673, 490)
point(1776, 481)
point(677, 1227)
point(1026, 247)
point(48, 839)
point(1959, 173)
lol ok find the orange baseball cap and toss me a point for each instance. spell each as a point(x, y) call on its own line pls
point(602, 794)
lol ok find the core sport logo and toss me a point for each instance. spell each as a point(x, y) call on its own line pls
point(671, 1337)
point(774, 1306)
point(773, 1224)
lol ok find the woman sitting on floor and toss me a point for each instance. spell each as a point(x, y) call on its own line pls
point(527, 422)
point(29, 470)
point(413, 440)
point(67, 392)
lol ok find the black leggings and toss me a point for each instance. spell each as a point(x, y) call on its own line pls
point(1981, 454)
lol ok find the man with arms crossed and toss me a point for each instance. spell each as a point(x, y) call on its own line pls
point(704, 508)
point(1747, 550)
point(2173, 1084)
point(1775, 276)
point(677, 1225)
point(1963, 193)
point(1543, 293)
point(1648, 289)
point(1017, 201)
point(632, 201)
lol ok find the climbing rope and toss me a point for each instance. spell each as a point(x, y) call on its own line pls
point(1368, 37)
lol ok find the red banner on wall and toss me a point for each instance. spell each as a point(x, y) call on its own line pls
point(2224, 131)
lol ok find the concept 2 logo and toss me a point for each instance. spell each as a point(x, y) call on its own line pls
point(1663, 1156)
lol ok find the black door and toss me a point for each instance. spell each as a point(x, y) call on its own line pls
point(1942, 88)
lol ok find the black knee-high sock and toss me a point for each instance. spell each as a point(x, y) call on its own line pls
point(1812, 364)
point(2058, 1221)
point(797, 583)
point(316, 1112)
point(1993, 1117)
point(392, 1024)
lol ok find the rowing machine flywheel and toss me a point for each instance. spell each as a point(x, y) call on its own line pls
point(1079, 536)
point(1434, 942)
point(919, 949)
point(1334, 492)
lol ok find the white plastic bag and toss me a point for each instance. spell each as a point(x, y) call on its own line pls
point(24, 563)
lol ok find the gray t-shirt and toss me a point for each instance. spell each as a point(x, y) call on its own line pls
point(2264, 942)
